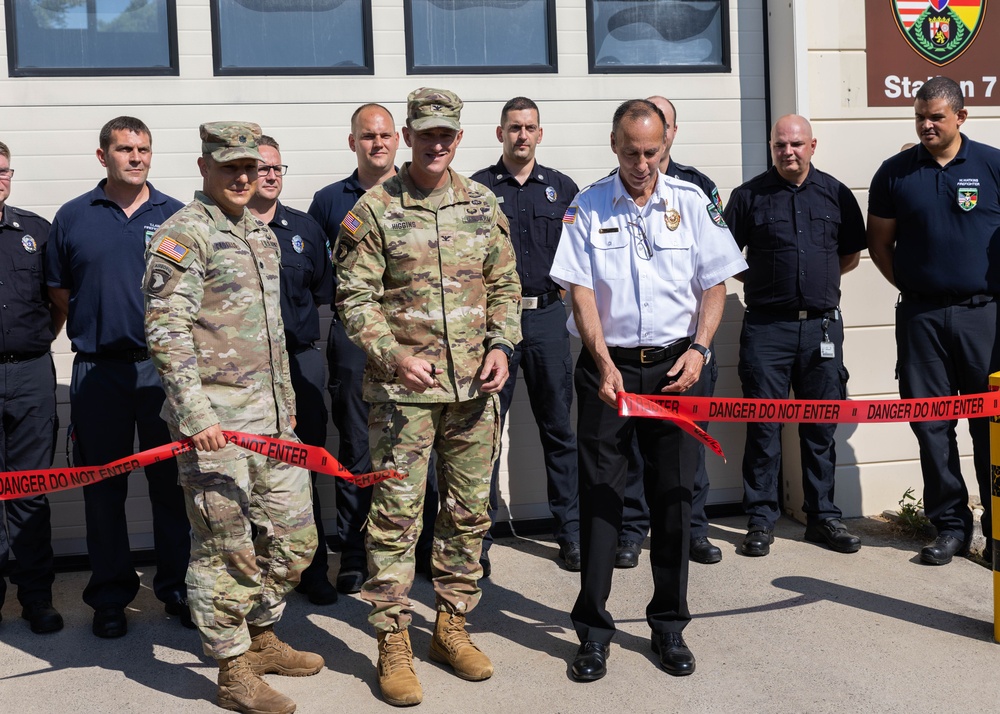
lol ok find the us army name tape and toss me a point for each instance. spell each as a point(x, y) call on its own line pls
point(18, 484)
point(685, 411)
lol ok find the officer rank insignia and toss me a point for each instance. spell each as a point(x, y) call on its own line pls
point(570, 215)
point(351, 223)
point(713, 213)
point(297, 244)
point(29, 244)
point(550, 194)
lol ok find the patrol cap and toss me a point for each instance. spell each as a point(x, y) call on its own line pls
point(230, 140)
point(427, 108)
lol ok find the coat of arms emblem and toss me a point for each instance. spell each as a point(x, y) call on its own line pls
point(939, 30)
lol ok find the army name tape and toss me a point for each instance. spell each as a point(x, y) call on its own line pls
point(19, 484)
point(685, 411)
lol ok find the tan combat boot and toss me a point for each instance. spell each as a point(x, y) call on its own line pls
point(451, 645)
point(399, 683)
point(241, 690)
point(269, 655)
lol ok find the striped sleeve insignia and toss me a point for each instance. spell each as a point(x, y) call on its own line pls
point(351, 223)
point(570, 215)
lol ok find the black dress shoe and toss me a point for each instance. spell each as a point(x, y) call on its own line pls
point(702, 551)
point(675, 657)
point(757, 542)
point(484, 561)
point(571, 556)
point(627, 554)
point(941, 551)
point(42, 617)
point(591, 661)
point(350, 581)
point(179, 608)
point(319, 592)
point(834, 534)
point(110, 622)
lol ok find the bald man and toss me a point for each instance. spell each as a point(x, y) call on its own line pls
point(802, 229)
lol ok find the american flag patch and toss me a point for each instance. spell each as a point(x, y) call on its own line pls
point(172, 249)
point(351, 223)
point(570, 215)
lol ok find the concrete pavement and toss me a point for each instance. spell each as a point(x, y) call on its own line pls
point(802, 630)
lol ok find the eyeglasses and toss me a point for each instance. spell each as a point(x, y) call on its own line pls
point(279, 170)
point(6, 173)
point(642, 246)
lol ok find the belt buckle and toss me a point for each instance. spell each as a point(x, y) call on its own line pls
point(643, 352)
point(529, 303)
point(803, 314)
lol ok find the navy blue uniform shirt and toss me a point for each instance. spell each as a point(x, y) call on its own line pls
point(794, 236)
point(947, 219)
point(329, 206)
point(306, 275)
point(693, 175)
point(25, 321)
point(535, 212)
point(98, 254)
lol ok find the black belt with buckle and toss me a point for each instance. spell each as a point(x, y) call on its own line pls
point(137, 354)
point(650, 355)
point(537, 302)
point(787, 314)
point(950, 300)
point(12, 357)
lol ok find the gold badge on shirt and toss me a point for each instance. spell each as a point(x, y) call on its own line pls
point(672, 219)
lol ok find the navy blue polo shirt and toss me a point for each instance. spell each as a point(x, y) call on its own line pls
point(98, 254)
point(535, 212)
point(306, 275)
point(693, 175)
point(25, 320)
point(947, 219)
point(795, 236)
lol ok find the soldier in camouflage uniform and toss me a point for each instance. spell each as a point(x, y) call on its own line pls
point(214, 330)
point(427, 286)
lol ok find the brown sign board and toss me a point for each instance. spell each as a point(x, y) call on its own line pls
point(909, 41)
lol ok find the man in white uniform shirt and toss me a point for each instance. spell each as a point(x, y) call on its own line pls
point(645, 258)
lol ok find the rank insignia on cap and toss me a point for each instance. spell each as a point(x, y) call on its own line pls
point(297, 244)
point(550, 193)
point(170, 248)
point(570, 215)
point(351, 223)
point(243, 139)
point(29, 243)
point(968, 198)
point(713, 213)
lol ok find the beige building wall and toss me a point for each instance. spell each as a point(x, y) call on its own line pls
point(51, 125)
point(821, 69)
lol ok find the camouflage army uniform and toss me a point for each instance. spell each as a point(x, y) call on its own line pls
point(214, 330)
point(436, 281)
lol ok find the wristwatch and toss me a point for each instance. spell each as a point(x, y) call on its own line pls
point(503, 348)
point(702, 350)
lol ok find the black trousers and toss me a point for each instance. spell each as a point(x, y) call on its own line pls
point(27, 440)
point(308, 377)
point(544, 357)
point(110, 401)
point(670, 458)
point(943, 352)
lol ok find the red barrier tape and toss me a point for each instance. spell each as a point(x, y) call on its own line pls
point(684, 411)
point(18, 484)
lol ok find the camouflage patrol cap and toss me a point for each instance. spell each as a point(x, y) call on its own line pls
point(427, 108)
point(230, 140)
